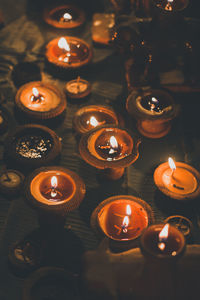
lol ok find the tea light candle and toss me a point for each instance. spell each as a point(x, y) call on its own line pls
point(64, 16)
point(110, 149)
point(55, 189)
point(68, 52)
point(11, 182)
point(122, 218)
point(78, 88)
point(154, 110)
point(40, 100)
point(162, 241)
point(91, 116)
point(179, 181)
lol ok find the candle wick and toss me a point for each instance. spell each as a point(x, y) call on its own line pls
point(178, 187)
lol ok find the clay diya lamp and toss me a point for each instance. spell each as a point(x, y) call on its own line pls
point(64, 16)
point(4, 118)
point(47, 279)
point(153, 110)
point(78, 88)
point(11, 182)
point(40, 100)
point(181, 223)
point(31, 146)
point(178, 180)
point(54, 191)
point(163, 242)
point(68, 52)
point(91, 116)
point(109, 149)
point(122, 219)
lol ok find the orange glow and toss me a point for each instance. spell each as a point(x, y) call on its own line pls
point(113, 142)
point(171, 164)
point(63, 44)
point(125, 224)
point(128, 210)
point(164, 232)
point(93, 121)
point(54, 182)
point(35, 92)
point(161, 246)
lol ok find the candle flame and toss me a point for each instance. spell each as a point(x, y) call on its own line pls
point(35, 92)
point(54, 182)
point(164, 233)
point(125, 221)
point(113, 142)
point(67, 16)
point(171, 164)
point(63, 44)
point(128, 210)
point(93, 121)
point(153, 99)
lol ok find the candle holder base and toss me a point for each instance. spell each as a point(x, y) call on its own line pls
point(154, 129)
point(111, 173)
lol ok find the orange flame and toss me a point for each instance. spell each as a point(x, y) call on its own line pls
point(128, 210)
point(35, 92)
point(164, 232)
point(171, 164)
point(113, 142)
point(93, 121)
point(125, 221)
point(54, 182)
point(67, 16)
point(63, 44)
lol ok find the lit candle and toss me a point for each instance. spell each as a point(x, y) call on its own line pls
point(123, 218)
point(162, 241)
point(55, 189)
point(64, 16)
point(68, 52)
point(110, 149)
point(40, 100)
point(153, 110)
point(89, 117)
point(179, 181)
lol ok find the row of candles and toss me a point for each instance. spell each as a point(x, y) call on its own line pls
point(105, 146)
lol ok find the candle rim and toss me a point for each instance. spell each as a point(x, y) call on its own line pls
point(75, 23)
point(151, 253)
point(94, 217)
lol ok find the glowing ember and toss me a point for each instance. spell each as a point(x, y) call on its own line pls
point(63, 44)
